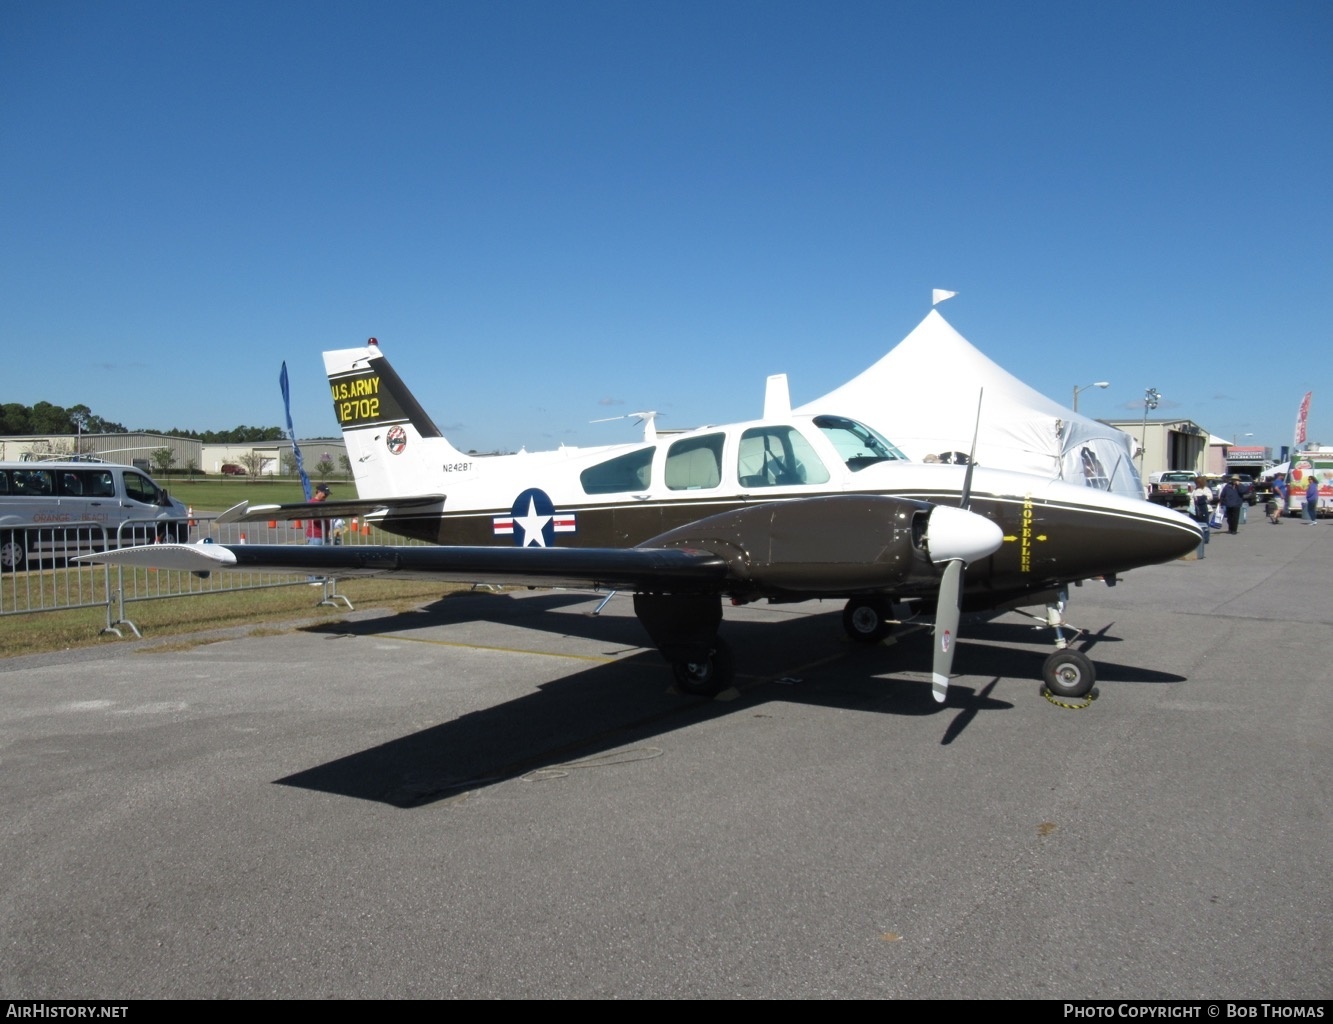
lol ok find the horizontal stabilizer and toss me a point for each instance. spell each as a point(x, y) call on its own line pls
point(247, 513)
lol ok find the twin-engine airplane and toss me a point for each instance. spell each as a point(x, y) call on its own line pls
point(785, 508)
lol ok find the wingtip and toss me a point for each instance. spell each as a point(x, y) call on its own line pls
point(186, 557)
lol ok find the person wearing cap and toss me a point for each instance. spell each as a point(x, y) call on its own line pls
point(1231, 500)
point(316, 529)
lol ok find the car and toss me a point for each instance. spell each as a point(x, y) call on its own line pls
point(231, 469)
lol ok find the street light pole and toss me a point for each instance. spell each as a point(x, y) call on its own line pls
point(1078, 390)
point(1151, 396)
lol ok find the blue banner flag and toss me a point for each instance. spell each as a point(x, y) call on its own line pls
point(291, 431)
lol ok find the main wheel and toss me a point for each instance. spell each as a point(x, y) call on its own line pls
point(705, 678)
point(12, 553)
point(866, 619)
point(1068, 673)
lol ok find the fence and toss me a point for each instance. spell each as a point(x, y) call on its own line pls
point(26, 586)
point(37, 576)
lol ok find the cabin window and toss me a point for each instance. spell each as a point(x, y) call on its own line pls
point(778, 457)
point(98, 484)
point(695, 463)
point(632, 472)
point(33, 482)
point(856, 444)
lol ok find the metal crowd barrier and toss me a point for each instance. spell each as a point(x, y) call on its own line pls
point(132, 584)
point(36, 575)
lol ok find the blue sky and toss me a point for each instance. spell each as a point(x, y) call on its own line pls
point(554, 212)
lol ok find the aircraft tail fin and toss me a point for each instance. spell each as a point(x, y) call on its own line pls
point(394, 446)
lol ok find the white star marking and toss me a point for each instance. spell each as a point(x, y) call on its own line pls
point(532, 525)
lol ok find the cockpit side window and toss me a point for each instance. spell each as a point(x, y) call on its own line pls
point(694, 463)
point(632, 472)
point(857, 445)
point(142, 489)
point(778, 456)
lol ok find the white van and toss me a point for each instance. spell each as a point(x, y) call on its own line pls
point(39, 499)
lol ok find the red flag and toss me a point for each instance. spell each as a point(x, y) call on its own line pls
point(1301, 417)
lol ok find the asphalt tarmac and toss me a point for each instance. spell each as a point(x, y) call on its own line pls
point(503, 796)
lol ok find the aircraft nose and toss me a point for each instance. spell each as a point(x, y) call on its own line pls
point(954, 533)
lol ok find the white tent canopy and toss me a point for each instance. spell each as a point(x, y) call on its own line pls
point(922, 395)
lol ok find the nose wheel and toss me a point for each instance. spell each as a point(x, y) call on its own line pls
point(1068, 673)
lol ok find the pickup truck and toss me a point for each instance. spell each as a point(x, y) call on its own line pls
point(1171, 487)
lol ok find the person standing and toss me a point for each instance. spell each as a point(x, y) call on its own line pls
point(1231, 500)
point(1280, 491)
point(1312, 501)
point(1201, 498)
point(316, 529)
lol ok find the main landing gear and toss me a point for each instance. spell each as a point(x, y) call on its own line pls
point(868, 620)
point(684, 628)
point(707, 676)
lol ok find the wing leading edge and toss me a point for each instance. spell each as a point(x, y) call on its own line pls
point(646, 569)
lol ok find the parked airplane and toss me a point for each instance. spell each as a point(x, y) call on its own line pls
point(784, 508)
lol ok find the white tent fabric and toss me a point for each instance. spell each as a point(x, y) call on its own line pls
point(922, 396)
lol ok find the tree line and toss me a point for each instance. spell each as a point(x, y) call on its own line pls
point(46, 418)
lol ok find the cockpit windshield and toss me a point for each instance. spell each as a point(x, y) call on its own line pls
point(857, 444)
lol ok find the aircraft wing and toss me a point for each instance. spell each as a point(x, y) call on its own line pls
point(247, 513)
point(677, 569)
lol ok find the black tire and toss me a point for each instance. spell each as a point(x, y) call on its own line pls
point(1069, 674)
point(13, 555)
point(705, 678)
point(866, 619)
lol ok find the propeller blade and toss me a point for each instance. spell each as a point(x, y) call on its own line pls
point(966, 500)
point(946, 628)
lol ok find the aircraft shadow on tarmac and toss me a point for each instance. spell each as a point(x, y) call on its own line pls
point(529, 612)
point(630, 701)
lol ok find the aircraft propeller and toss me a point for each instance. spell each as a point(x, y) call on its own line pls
point(948, 606)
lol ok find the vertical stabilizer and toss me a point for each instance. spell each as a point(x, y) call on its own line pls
point(395, 448)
